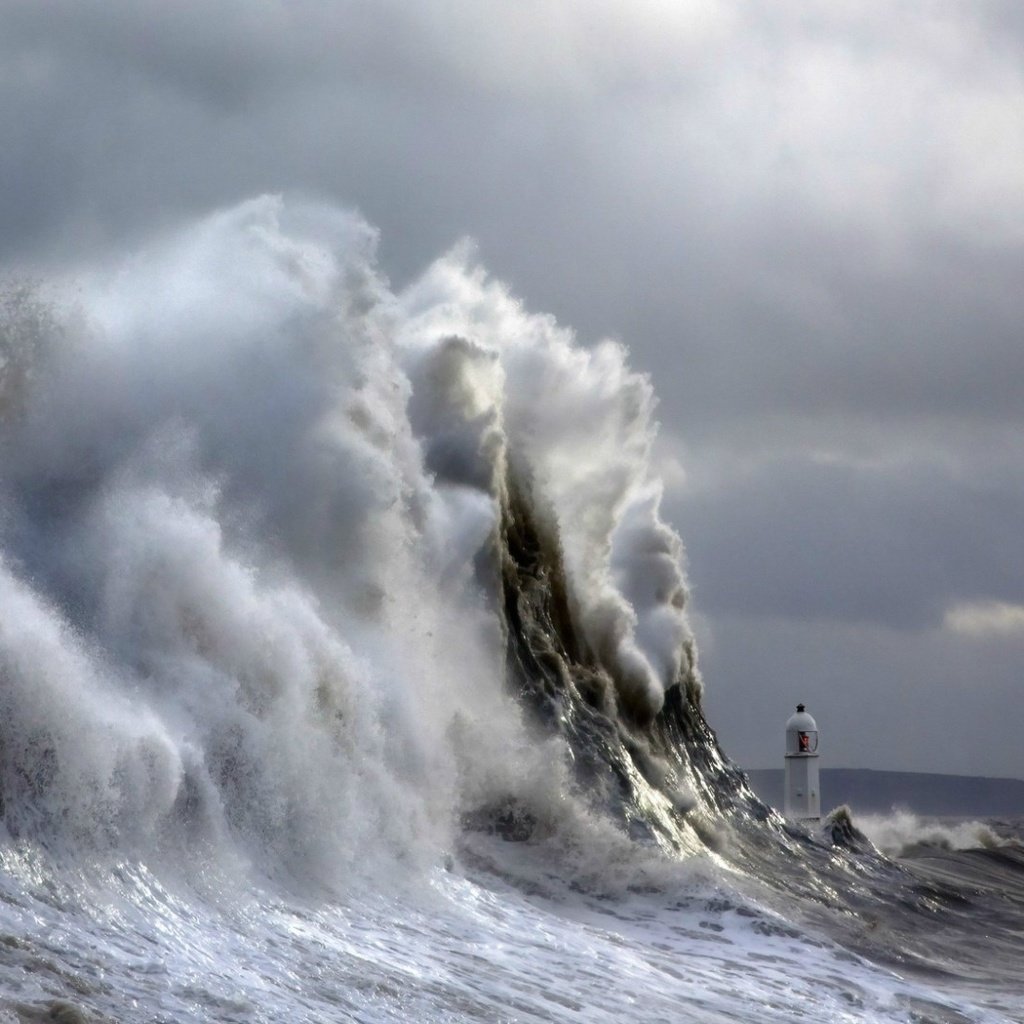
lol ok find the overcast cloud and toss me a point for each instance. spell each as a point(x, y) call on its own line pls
point(806, 220)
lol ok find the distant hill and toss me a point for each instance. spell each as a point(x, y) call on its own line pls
point(876, 792)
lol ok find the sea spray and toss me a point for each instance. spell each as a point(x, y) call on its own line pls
point(256, 506)
point(902, 832)
point(217, 514)
point(578, 427)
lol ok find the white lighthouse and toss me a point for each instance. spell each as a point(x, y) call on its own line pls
point(803, 791)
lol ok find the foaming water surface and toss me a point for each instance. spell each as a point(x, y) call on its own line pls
point(132, 947)
point(346, 674)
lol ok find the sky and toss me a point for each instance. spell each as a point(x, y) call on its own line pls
point(805, 219)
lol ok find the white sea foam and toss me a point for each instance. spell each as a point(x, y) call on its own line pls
point(132, 946)
point(902, 830)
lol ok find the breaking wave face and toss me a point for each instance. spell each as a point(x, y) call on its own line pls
point(300, 567)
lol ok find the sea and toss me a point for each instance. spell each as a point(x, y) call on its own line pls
point(346, 675)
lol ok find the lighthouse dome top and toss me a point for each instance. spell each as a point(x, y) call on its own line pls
point(801, 733)
point(801, 721)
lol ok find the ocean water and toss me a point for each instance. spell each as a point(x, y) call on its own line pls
point(345, 674)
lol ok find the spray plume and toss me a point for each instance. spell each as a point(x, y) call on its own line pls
point(252, 511)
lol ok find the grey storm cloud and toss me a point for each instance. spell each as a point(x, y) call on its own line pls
point(786, 209)
point(805, 220)
point(894, 545)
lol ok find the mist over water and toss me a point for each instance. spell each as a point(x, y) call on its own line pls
point(345, 672)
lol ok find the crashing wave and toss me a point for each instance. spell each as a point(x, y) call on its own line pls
point(282, 548)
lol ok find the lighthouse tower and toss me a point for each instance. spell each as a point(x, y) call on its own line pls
point(803, 792)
